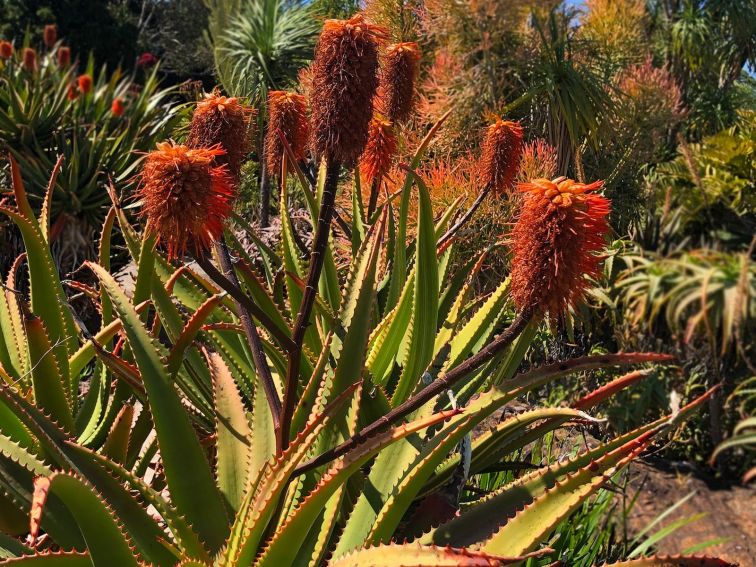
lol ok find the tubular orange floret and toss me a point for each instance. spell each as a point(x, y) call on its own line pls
point(64, 56)
point(379, 152)
point(29, 59)
point(224, 121)
point(50, 35)
point(117, 108)
point(185, 197)
point(287, 115)
point(559, 232)
point(501, 154)
point(400, 68)
point(6, 50)
point(344, 83)
point(85, 83)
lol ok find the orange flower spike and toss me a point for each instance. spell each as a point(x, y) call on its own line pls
point(500, 155)
point(117, 108)
point(50, 35)
point(539, 159)
point(559, 233)
point(29, 59)
point(376, 160)
point(400, 68)
point(287, 115)
point(185, 197)
point(224, 121)
point(72, 93)
point(344, 83)
point(6, 50)
point(85, 83)
point(64, 56)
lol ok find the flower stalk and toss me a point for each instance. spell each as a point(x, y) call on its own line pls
point(442, 383)
point(320, 242)
point(253, 339)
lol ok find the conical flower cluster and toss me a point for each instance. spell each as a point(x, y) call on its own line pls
point(560, 231)
point(344, 83)
point(29, 59)
point(64, 56)
point(85, 83)
point(118, 107)
point(224, 121)
point(375, 161)
point(185, 196)
point(287, 116)
point(50, 35)
point(500, 155)
point(400, 67)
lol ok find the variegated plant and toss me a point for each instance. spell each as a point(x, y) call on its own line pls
point(278, 411)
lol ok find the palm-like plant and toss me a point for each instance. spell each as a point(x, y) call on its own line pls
point(570, 94)
point(698, 293)
point(261, 45)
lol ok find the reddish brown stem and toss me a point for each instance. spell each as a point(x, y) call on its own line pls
point(242, 299)
point(423, 396)
point(253, 338)
point(319, 245)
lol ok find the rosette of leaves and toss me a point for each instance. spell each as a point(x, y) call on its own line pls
point(43, 115)
point(171, 454)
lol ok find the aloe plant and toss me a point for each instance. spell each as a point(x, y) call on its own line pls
point(74, 465)
point(284, 412)
point(43, 115)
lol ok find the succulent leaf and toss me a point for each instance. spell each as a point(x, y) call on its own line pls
point(192, 487)
point(106, 541)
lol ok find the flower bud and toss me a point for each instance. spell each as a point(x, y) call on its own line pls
point(117, 108)
point(29, 59)
point(344, 83)
point(64, 57)
point(500, 155)
point(85, 83)
point(222, 121)
point(287, 115)
point(6, 50)
point(50, 35)
point(400, 68)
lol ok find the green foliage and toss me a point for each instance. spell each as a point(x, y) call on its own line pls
point(175, 34)
point(235, 494)
point(709, 188)
point(260, 46)
point(39, 122)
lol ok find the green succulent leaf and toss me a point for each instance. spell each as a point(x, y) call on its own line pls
point(106, 541)
point(52, 559)
point(233, 434)
point(190, 480)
